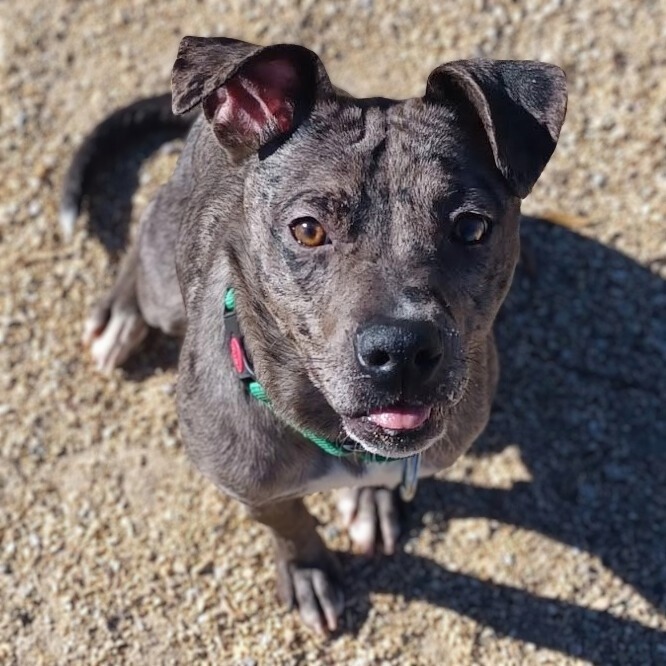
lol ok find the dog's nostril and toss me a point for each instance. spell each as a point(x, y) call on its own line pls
point(378, 358)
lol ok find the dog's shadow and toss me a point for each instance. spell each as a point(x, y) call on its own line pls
point(583, 350)
point(112, 182)
point(110, 188)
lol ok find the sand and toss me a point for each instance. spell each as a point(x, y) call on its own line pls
point(545, 545)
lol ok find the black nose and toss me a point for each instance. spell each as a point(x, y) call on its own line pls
point(399, 350)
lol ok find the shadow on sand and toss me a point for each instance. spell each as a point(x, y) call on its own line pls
point(583, 349)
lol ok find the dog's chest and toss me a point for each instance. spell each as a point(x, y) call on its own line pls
point(388, 475)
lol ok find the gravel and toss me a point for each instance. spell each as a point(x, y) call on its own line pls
point(545, 545)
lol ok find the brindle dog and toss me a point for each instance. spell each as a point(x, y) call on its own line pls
point(369, 244)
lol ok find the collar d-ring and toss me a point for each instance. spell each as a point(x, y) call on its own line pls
point(410, 477)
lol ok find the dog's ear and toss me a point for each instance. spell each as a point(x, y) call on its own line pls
point(251, 95)
point(521, 106)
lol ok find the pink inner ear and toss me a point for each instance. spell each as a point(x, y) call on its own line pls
point(260, 96)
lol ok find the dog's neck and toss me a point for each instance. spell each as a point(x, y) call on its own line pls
point(245, 373)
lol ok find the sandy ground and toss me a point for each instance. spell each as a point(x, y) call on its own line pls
point(545, 545)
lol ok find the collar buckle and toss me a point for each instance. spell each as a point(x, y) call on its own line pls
point(239, 360)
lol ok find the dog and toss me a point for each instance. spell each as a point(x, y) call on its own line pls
point(334, 266)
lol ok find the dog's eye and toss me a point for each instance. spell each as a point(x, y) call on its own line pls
point(307, 231)
point(470, 228)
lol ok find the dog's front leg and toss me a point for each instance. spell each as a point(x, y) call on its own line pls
point(371, 516)
point(308, 574)
point(115, 327)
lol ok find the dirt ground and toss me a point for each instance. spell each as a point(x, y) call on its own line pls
point(545, 545)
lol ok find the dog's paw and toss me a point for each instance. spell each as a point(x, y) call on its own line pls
point(315, 589)
point(113, 331)
point(371, 516)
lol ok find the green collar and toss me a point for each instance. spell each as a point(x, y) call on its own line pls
point(245, 372)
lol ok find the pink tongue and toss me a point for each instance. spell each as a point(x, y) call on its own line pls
point(400, 418)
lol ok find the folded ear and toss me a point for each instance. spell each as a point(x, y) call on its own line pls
point(251, 95)
point(521, 106)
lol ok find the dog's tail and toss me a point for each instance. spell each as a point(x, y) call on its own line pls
point(152, 113)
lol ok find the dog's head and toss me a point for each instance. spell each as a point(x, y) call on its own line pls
point(379, 237)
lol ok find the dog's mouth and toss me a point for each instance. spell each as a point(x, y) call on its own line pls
point(395, 431)
point(399, 418)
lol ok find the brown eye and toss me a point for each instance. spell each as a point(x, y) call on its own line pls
point(307, 231)
point(470, 228)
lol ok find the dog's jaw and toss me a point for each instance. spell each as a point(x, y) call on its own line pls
point(391, 443)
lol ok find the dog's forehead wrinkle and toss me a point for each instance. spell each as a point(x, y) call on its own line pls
point(383, 153)
point(374, 130)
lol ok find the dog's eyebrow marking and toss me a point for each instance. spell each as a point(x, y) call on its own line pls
point(491, 188)
point(331, 202)
point(471, 197)
point(465, 184)
point(332, 207)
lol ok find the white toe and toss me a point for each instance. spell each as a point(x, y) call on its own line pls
point(121, 336)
